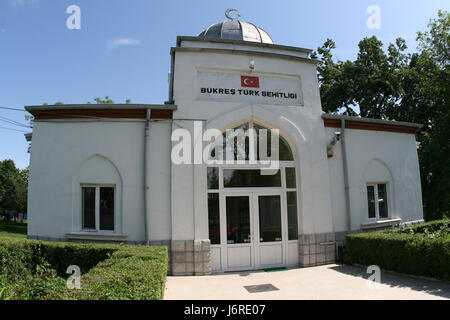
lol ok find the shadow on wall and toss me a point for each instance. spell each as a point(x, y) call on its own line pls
point(433, 287)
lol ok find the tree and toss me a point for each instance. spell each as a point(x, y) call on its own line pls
point(432, 65)
point(366, 87)
point(13, 186)
point(107, 100)
point(404, 87)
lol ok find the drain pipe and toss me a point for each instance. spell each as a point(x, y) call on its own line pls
point(346, 180)
point(146, 179)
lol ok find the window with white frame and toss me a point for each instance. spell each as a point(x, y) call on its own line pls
point(97, 206)
point(377, 201)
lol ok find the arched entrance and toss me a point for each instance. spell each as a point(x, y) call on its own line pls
point(252, 216)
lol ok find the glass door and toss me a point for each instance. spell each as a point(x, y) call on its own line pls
point(254, 231)
point(239, 232)
point(270, 238)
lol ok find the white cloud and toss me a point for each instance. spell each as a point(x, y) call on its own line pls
point(116, 43)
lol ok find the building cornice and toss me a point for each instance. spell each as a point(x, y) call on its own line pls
point(101, 111)
point(242, 42)
point(244, 52)
point(334, 121)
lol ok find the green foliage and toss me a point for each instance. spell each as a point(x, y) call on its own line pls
point(107, 100)
point(108, 271)
point(432, 229)
point(13, 186)
point(420, 250)
point(134, 273)
point(404, 87)
point(44, 284)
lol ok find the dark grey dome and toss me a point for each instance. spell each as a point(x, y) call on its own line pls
point(236, 30)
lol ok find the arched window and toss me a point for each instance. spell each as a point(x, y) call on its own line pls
point(98, 193)
point(236, 141)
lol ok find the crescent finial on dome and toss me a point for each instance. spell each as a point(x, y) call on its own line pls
point(229, 10)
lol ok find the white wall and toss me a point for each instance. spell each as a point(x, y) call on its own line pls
point(375, 156)
point(159, 170)
point(59, 148)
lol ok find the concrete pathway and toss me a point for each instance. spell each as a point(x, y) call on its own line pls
point(322, 282)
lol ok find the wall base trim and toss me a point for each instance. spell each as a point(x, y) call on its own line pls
point(190, 257)
point(319, 248)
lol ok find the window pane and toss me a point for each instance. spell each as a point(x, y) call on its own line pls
point(88, 205)
point(232, 144)
point(292, 215)
point(214, 218)
point(213, 178)
point(269, 218)
point(285, 153)
point(290, 178)
point(371, 201)
point(250, 178)
point(382, 201)
point(238, 219)
point(106, 208)
point(236, 146)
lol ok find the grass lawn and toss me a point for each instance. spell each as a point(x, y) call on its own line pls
point(13, 229)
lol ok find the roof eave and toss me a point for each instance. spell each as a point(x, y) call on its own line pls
point(100, 107)
point(372, 120)
point(248, 43)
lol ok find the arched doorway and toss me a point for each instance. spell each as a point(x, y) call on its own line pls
point(252, 216)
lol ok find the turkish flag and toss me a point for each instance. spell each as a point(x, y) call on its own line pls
point(248, 81)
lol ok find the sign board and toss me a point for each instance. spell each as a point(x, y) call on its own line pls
point(235, 87)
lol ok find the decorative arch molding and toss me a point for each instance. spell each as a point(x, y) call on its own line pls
point(96, 169)
point(378, 171)
point(91, 157)
point(373, 167)
point(266, 118)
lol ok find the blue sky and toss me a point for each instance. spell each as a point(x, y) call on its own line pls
point(122, 48)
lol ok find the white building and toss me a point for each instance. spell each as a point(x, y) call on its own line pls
point(105, 172)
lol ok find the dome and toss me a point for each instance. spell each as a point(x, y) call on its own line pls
point(236, 30)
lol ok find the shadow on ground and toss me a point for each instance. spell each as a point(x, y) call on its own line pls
point(396, 280)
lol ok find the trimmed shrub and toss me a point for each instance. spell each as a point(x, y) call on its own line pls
point(109, 271)
point(131, 273)
point(404, 250)
point(19, 255)
point(433, 228)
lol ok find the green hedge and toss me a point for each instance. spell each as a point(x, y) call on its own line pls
point(108, 271)
point(431, 226)
point(406, 250)
point(132, 272)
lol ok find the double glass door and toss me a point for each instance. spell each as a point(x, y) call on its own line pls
point(255, 230)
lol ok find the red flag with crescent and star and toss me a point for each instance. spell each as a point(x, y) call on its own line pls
point(249, 81)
